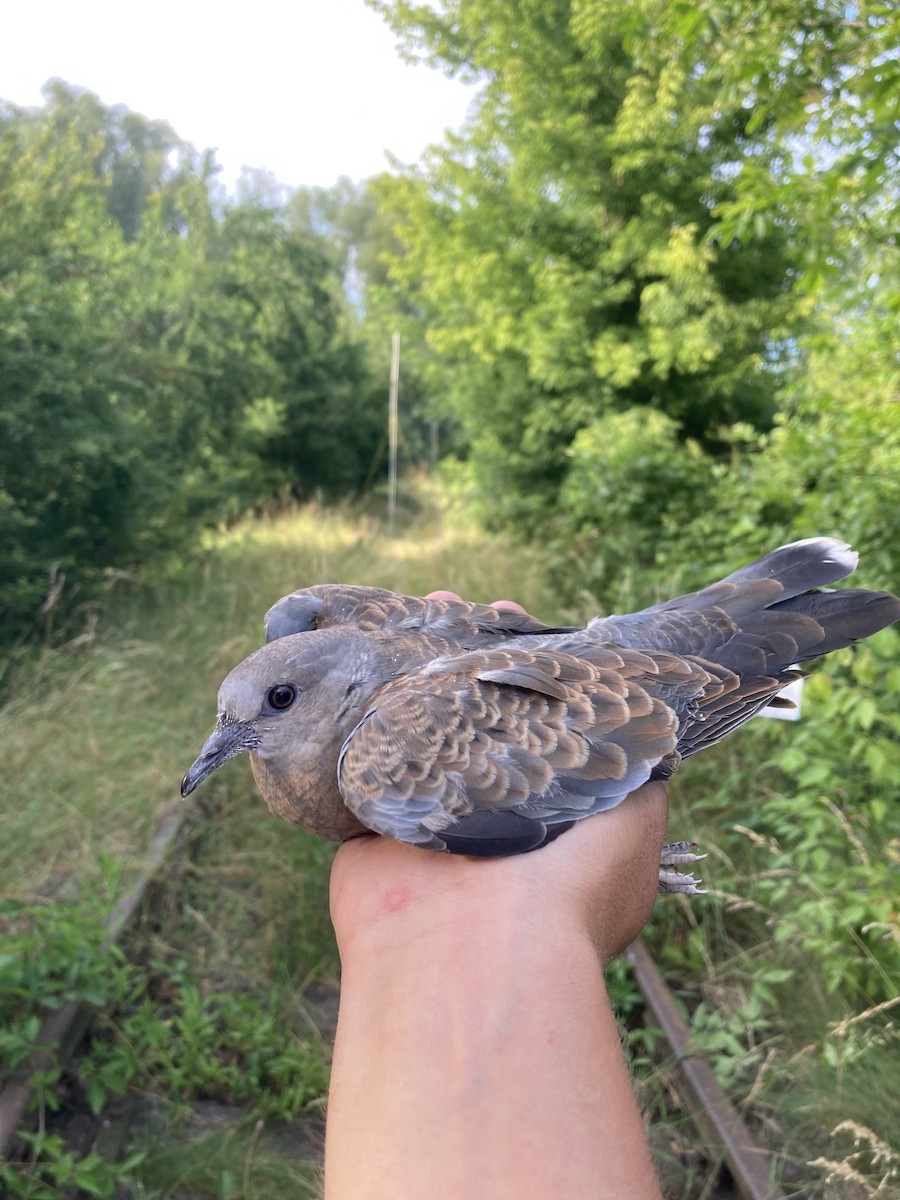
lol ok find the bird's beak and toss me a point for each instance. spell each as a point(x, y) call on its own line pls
point(226, 740)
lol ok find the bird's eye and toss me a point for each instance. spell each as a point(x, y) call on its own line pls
point(281, 696)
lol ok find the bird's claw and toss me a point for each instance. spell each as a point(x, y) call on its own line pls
point(677, 854)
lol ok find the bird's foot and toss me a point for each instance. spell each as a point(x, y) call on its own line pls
point(673, 855)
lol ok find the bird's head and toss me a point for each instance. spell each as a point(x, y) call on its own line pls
point(292, 705)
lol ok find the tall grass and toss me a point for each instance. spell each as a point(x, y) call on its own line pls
point(96, 736)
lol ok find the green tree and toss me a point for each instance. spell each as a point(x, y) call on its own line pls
point(65, 453)
point(357, 221)
point(821, 80)
point(133, 157)
point(562, 244)
point(159, 375)
point(317, 423)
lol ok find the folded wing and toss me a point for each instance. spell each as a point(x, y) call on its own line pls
point(374, 609)
point(497, 752)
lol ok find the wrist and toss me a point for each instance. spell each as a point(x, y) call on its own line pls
point(598, 879)
point(474, 1019)
point(413, 901)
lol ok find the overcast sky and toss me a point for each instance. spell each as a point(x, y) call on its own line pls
point(309, 89)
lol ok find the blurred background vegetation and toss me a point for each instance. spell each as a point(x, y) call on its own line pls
point(648, 305)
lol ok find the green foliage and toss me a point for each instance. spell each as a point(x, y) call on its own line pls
point(803, 824)
point(621, 229)
point(52, 954)
point(64, 462)
point(55, 1170)
point(231, 1048)
point(237, 1049)
point(161, 371)
point(730, 1035)
point(629, 476)
point(833, 823)
point(820, 80)
point(132, 158)
point(561, 250)
point(637, 500)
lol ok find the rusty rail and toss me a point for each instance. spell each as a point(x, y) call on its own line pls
point(719, 1123)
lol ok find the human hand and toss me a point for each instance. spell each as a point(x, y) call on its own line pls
point(602, 875)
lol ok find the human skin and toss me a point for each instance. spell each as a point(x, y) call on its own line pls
point(476, 1052)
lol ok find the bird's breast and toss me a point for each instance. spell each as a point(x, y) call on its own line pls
point(313, 804)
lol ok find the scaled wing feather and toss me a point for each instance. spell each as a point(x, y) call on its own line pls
point(508, 739)
point(375, 609)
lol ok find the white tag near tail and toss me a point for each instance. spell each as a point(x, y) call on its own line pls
point(793, 692)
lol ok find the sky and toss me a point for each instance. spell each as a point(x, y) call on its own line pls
point(307, 89)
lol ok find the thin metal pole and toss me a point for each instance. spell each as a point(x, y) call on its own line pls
point(393, 424)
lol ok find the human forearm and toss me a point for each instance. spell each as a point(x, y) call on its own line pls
point(476, 1052)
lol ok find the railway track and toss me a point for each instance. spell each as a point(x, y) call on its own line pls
point(724, 1134)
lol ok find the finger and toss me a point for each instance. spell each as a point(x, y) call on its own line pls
point(510, 605)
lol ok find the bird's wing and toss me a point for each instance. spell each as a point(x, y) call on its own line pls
point(495, 752)
point(373, 609)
